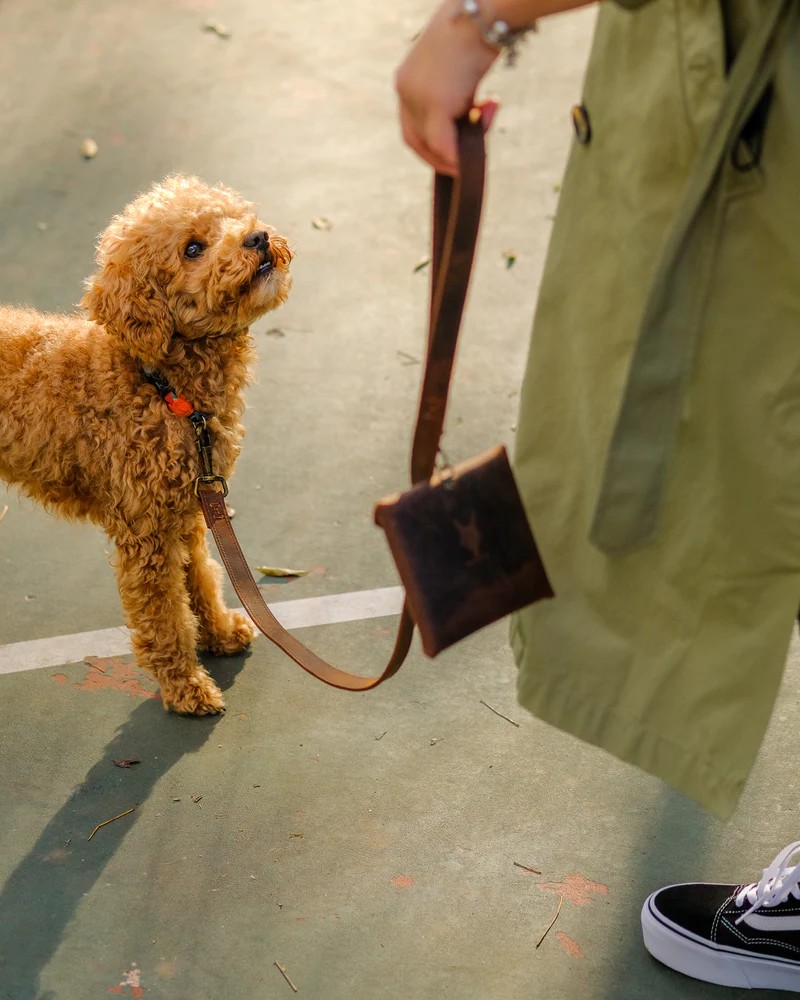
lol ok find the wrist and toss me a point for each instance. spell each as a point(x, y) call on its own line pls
point(498, 30)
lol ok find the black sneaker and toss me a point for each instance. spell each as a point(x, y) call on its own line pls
point(734, 935)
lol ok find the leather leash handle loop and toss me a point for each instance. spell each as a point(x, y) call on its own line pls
point(456, 217)
point(457, 204)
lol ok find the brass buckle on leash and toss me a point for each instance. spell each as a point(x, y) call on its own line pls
point(207, 480)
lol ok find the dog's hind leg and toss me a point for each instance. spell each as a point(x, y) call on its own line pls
point(221, 631)
point(151, 574)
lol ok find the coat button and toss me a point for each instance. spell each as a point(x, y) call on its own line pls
point(580, 120)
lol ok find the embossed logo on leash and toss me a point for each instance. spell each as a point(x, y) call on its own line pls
point(216, 508)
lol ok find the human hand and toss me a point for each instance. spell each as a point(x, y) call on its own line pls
point(436, 85)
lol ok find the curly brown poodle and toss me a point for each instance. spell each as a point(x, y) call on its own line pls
point(182, 273)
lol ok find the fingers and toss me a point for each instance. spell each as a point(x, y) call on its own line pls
point(436, 142)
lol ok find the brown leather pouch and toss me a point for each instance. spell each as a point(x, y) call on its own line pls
point(463, 549)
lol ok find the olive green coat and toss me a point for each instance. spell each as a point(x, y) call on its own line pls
point(658, 450)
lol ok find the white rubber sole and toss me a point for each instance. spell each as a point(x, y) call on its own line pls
point(699, 959)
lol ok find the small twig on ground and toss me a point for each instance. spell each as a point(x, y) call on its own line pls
point(282, 971)
point(500, 714)
point(3, 512)
point(107, 821)
point(560, 904)
point(382, 735)
point(527, 868)
point(407, 359)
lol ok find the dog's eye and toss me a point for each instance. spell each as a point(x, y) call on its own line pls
point(193, 249)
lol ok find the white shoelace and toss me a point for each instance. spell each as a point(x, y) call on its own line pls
point(778, 882)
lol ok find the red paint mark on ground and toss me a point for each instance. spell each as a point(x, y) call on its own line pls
point(576, 889)
point(136, 991)
point(570, 947)
point(57, 854)
point(116, 673)
point(61, 678)
point(132, 978)
point(402, 881)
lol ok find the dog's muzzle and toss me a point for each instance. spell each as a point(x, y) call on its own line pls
point(259, 240)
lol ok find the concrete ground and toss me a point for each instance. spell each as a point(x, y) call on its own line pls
point(366, 843)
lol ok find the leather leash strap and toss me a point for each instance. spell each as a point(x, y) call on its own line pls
point(456, 217)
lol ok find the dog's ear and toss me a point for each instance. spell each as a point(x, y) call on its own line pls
point(132, 308)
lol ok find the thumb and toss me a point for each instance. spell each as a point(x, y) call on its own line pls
point(488, 110)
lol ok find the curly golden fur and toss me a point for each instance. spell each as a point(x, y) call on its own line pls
point(182, 273)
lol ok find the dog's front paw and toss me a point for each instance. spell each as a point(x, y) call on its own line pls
point(230, 636)
point(195, 695)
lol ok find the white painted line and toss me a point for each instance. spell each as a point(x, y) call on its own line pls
point(37, 654)
point(353, 607)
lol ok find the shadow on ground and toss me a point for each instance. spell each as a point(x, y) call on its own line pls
point(43, 892)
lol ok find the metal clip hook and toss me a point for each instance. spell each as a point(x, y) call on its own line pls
point(204, 446)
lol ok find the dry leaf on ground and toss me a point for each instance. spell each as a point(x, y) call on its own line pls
point(217, 29)
point(280, 571)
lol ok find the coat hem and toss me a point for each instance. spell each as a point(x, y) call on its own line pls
point(630, 740)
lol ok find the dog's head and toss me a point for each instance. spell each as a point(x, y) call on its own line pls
point(185, 260)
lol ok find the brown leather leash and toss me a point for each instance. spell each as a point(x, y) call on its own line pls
point(456, 217)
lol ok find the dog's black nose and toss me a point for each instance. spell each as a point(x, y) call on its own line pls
point(258, 240)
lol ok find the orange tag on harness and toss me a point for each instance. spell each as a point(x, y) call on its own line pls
point(179, 405)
